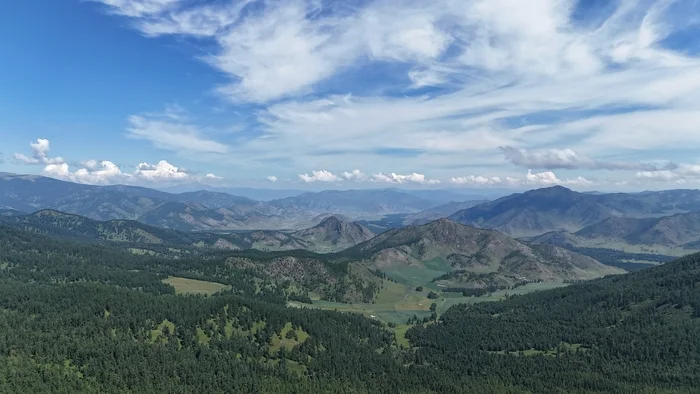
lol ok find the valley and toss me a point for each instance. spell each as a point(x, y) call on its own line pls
point(395, 289)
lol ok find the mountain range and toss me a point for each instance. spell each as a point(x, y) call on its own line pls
point(332, 234)
point(675, 231)
point(199, 210)
point(559, 209)
point(455, 255)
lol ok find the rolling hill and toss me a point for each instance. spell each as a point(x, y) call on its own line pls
point(455, 255)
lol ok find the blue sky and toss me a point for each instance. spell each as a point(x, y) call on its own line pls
point(331, 94)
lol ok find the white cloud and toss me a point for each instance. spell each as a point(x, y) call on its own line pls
point(477, 180)
point(570, 159)
point(272, 178)
point(398, 178)
point(159, 172)
point(97, 173)
point(319, 176)
point(40, 151)
point(213, 177)
point(171, 134)
point(548, 178)
point(354, 175)
point(683, 174)
point(506, 73)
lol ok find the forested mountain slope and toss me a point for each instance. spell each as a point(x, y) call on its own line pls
point(630, 333)
point(80, 318)
point(462, 256)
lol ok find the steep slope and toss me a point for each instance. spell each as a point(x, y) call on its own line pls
point(537, 211)
point(560, 336)
point(335, 233)
point(464, 256)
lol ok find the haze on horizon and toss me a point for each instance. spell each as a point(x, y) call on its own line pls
point(312, 95)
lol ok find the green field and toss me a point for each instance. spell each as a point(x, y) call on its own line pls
point(194, 286)
point(396, 303)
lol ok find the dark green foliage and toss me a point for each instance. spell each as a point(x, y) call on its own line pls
point(619, 334)
point(419, 288)
point(81, 318)
point(432, 295)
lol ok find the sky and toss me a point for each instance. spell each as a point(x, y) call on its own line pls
point(317, 94)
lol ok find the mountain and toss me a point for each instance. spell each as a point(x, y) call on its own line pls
point(439, 212)
point(197, 210)
point(335, 232)
point(455, 255)
point(355, 203)
point(55, 223)
point(671, 231)
point(537, 212)
point(560, 336)
point(559, 209)
point(681, 231)
point(332, 235)
point(443, 196)
point(29, 193)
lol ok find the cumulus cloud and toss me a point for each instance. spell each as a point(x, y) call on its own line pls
point(40, 154)
point(538, 179)
point(213, 177)
point(106, 172)
point(319, 176)
point(160, 171)
point(548, 178)
point(570, 159)
point(398, 178)
point(166, 132)
point(354, 175)
point(272, 178)
point(97, 173)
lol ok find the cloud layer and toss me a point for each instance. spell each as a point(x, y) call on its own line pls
point(441, 85)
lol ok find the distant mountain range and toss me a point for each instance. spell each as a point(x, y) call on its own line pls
point(559, 209)
point(199, 210)
point(332, 234)
point(439, 212)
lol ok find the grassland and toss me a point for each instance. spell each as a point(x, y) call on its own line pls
point(396, 303)
point(194, 286)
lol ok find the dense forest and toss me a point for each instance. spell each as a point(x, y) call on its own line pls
point(87, 318)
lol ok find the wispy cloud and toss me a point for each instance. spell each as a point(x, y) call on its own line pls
point(453, 79)
point(570, 159)
point(169, 132)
